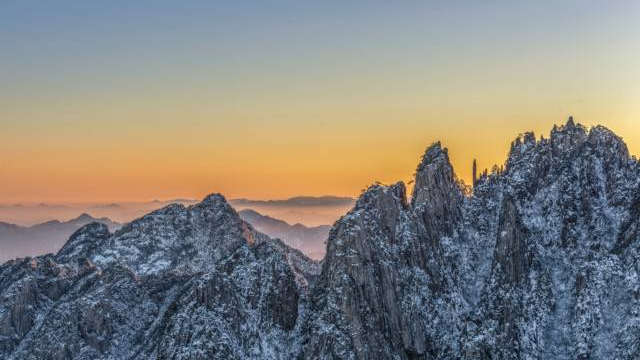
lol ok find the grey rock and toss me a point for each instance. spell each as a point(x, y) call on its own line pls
point(539, 261)
point(182, 283)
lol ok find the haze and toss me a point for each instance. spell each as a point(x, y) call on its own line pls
point(311, 212)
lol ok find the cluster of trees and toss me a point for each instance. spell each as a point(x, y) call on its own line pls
point(495, 170)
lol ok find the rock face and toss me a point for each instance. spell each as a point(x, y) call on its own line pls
point(180, 283)
point(541, 260)
point(385, 291)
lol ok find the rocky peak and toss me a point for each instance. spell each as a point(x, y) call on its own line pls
point(607, 144)
point(436, 193)
point(178, 237)
point(378, 256)
point(434, 153)
point(215, 200)
point(565, 138)
point(83, 217)
point(83, 242)
point(572, 152)
point(383, 197)
point(570, 122)
point(380, 207)
point(434, 173)
point(522, 143)
point(188, 274)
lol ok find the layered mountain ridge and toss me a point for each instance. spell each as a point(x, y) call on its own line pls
point(540, 260)
point(179, 283)
point(20, 241)
point(310, 240)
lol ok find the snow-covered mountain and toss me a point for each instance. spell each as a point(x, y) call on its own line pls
point(309, 240)
point(540, 260)
point(48, 237)
point(178, 283)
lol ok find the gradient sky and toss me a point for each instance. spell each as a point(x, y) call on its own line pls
point(135, 100)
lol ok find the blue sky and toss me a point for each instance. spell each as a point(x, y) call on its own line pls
point(157, 81)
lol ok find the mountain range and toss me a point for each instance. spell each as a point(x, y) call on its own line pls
point(307, 210)
point(48, 237)
point(21, 241)
point(297, 201)
point(310, 240)
point(539, 260)
point(29, 214)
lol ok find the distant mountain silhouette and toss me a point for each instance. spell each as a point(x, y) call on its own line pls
point(309, 240)
point(48, 237)
point(298, 201)
point(28, 214)
point(307, 210)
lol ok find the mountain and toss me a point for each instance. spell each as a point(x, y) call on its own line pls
point(182, 282)
point(31, 213)
point(310, 240)
point(297, 201)
point(539, 260)
point(19, 241)
point(307, 210)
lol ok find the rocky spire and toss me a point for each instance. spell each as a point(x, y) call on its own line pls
point(475, 172)
point(436, 194)
point(565, 138)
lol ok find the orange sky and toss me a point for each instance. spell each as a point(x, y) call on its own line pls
point(102, 104)
point(254, 162)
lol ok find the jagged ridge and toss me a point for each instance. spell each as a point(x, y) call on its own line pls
point(539, 261)
point(179, 283)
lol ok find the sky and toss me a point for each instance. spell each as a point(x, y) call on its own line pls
point(137, 100)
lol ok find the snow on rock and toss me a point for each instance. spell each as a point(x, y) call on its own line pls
point(181, 283)
point(539, 261)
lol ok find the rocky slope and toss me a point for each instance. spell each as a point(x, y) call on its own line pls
point(539, 261)
point(180, 283)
